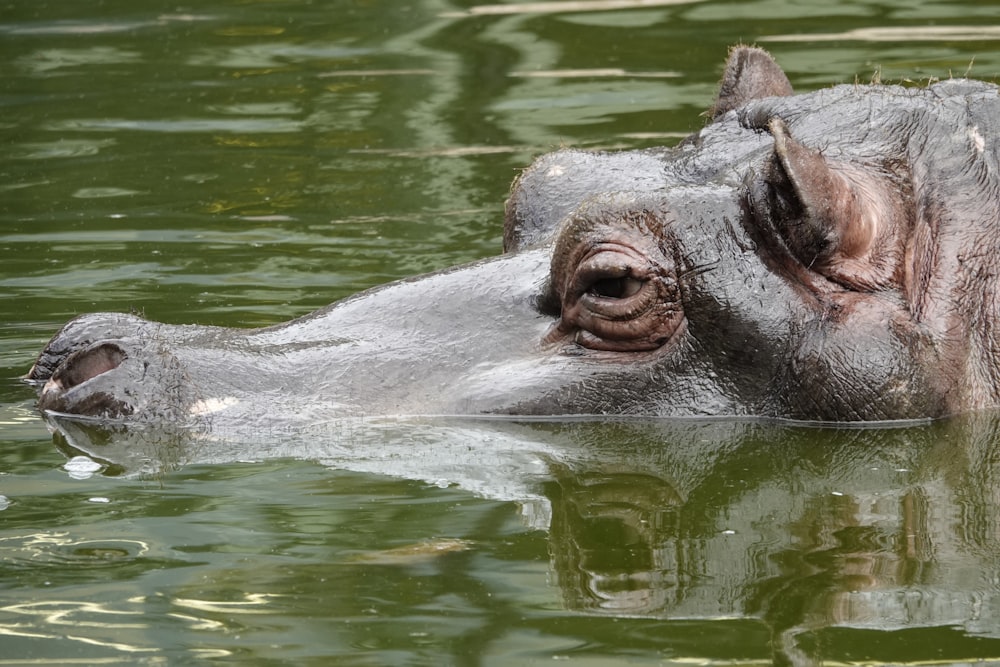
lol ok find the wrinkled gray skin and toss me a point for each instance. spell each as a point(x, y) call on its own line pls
point(830, 256)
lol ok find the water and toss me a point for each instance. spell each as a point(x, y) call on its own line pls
point(243, 163)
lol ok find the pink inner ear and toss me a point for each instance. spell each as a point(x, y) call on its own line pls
point(852, 216)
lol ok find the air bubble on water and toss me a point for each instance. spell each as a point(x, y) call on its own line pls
point(81, 467)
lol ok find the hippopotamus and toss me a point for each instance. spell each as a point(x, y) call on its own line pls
point(828, 256)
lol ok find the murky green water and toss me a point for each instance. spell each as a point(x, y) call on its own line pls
point(247, 162)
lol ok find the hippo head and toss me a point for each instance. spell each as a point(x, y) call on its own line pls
point(829, 256)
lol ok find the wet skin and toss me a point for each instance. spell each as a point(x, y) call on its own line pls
point(830, 256)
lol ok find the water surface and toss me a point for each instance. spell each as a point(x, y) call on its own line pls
point(243, 163)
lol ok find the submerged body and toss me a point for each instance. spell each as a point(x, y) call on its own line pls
point(830, 256)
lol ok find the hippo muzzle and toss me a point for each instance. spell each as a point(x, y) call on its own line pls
point(111, 366)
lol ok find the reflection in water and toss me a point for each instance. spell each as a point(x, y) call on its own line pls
point(99, 630)
point(105, 625)
point(803, 529)
point(252, 603)
point(564, 6)
point(806, 529)
point(48, 60)
point(57, 548)
point(954, 33)
point(615, 543)
point(63, 620)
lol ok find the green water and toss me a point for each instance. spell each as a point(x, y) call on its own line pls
point(243, 163)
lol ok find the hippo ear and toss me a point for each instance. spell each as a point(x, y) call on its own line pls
point(839, 219)
point(750, 74)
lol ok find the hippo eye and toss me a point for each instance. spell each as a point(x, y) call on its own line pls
point(617, 297)
point(615, 288)
point(607, 274)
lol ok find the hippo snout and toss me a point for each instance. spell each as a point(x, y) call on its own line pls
point(94, 367)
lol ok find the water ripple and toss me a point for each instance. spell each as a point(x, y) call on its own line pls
point(181, 125)
point(78, 27)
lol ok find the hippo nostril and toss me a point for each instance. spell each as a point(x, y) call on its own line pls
point(86, 364)
point(63, 392)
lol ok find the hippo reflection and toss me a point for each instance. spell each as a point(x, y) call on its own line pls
point(827, 256)
point(805, 545)
point(827, 545)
